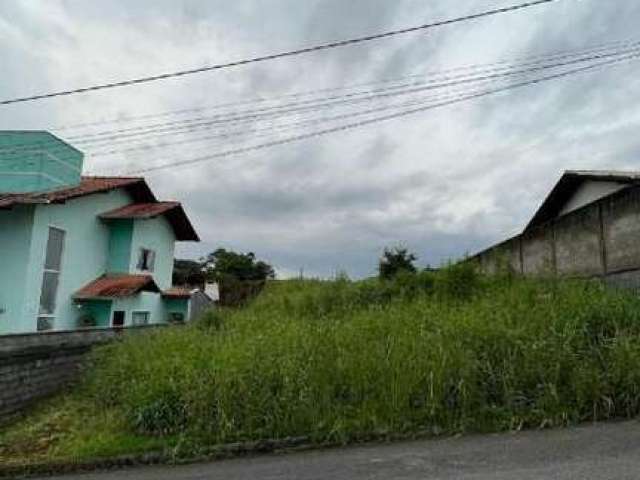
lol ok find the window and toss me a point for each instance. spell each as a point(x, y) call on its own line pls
point(140, 318)
point(50, 278)
point(176, 317)
point(118, 319)
point(146, 260)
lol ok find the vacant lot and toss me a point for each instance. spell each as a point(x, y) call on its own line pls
point(343, 361)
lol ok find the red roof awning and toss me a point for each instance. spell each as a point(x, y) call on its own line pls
point(141, 210)
point(116, 286)
point(172, 211)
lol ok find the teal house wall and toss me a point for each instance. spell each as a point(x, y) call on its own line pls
point(178, 306)
point(99, 311)
point(155, 234)
point(93, 247)
point(120, 237)
point(37, 161)
point(84, 258)
point(15, 238)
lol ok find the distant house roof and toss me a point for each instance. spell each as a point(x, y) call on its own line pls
point(116, 286)
point(177, 293)
point(569, 184)
point(136, 186)
point(173, 212)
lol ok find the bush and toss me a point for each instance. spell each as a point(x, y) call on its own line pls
point(459, 281)
point(394, 261)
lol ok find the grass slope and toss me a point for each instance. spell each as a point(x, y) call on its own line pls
point(342, 361)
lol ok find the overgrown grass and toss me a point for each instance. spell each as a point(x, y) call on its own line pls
point(340, 361)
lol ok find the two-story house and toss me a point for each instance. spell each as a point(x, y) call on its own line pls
point(78, 251)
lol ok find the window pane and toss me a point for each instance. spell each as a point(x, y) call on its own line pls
point(45, 323)
point(151, 260)
point(140, 318)
point(142, 259)
point(55, 244)
point(48, 293)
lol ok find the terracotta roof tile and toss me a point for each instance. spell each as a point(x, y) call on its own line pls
point(116, 286)
point(173, 212)
point(177, 293)
point(140, 210)
point(145, 204)
point(88, 185)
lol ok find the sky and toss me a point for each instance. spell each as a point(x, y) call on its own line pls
point(444, 182)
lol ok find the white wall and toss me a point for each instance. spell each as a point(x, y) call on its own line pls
point(590, 191)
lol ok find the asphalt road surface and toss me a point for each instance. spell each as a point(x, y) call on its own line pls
point(595, 452)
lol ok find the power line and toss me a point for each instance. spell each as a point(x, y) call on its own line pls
point(153, 132)
point(362, 123)
point(256, 100)
point(316, 48)
point(275, 128)
point(488, 68)
point(226, 120)
point(340, 100)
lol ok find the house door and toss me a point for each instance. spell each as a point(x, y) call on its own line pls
point(118, 319)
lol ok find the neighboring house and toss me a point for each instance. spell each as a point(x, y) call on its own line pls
point(588, 226)
point(78, 251)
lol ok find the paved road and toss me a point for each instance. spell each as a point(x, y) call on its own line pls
point(598, 452)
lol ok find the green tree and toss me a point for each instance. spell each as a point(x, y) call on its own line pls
point(396, 260)
point(188, 272)
point(223, 264)
point(239, 275)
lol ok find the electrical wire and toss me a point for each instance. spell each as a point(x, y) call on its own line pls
point(350, 126)
point(290, 53)
point(375, 96)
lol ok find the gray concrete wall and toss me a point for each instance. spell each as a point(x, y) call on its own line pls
point(34, 366)
point(621, 230)
point(537, 252)
point(578, 246)
point(601, 239)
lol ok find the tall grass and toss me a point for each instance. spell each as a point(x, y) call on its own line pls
point(341, 360)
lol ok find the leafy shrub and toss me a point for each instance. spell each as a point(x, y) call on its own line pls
point(394, 261)
point(459, 281)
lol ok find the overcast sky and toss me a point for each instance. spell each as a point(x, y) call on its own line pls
point(442, 182)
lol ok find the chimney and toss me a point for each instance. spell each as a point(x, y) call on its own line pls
point(37, 161)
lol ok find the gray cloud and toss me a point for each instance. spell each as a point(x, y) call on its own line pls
point(443, 182)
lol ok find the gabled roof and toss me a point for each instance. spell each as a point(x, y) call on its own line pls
point(136, 186)
point(569, 183)
point(172, 211)
point(145, 203)
point(116, 286)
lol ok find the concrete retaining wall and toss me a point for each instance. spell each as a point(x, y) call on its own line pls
point(601, 239)
point(34, 366)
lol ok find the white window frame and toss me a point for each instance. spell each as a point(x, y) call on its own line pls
point(51, 316)
point(133, 316)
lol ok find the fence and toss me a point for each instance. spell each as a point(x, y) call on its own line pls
point(33, 366)
point(601, 239)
